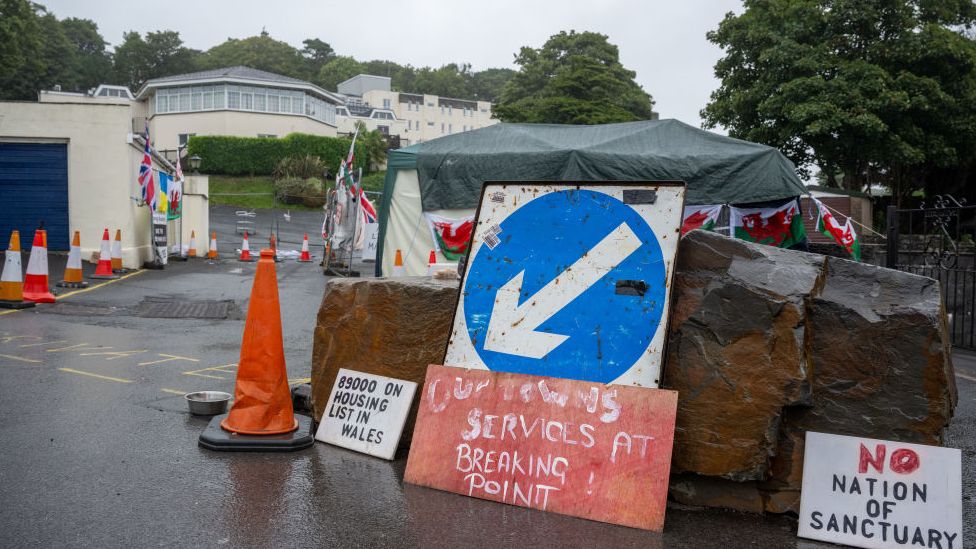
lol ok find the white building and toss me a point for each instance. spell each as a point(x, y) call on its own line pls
point(414, 117)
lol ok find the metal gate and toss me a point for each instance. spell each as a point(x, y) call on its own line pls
point(937, 240)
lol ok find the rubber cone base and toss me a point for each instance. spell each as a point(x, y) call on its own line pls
point(16, 304)
point(120, 271)
point(216, 438)
point(64, 284)
point(103, 277)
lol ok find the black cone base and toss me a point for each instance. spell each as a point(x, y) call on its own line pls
point(216, 438)
point(64, 284)
point(16, 304)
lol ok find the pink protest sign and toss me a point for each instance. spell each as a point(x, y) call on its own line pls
point(601, 452)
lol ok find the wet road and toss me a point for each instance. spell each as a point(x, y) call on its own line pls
point(96, 447)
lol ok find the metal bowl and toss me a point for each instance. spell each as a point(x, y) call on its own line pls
point(207, 403)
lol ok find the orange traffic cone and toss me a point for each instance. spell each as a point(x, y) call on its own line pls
point(431, 262)
point(398, 265)
point(11, 281)
point(212, 252)
point(104, 268)
point(117, 253)
point(305, 257)
point(36, 287)
point(193, 245)
point(72, 271)
point(245, 250)
point(262, 401)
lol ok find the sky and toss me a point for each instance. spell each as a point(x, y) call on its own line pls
point(663, 41)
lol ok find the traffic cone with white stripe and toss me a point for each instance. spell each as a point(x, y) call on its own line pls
point(193, 245)
point(212, 252)
point(72, 271)
point(305, 257)
point(245, 250)
point(36, 286)
point(431, 262)
point(117, 253)
point(11, 281)
point(398, 269)
point(104, 268)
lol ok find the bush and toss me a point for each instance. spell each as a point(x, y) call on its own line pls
point(302, 167)
point(294, 190)
point(227, 155)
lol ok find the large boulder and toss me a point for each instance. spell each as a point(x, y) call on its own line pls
point(766, 344)
point(391, 327)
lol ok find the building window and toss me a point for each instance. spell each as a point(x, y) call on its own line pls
point(442, 127)
point(385, 130)
point(442, 109)
point(184, 138)
point(430, 104)
point(431, 124)
point(450, 128)
point(268, 135)
point(233, 100)
point(450, 111)
point(386, 103)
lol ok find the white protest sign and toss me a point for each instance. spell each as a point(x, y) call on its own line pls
point(371, 238)
point(877, 493)
point(366, 413)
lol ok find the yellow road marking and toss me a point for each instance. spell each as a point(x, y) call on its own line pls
point(102, 285)
point(12, 357)
point(169, 358)
point(173, 392)
point(70, 347)
point(115, 354)
point(299, 380)
point(964, 376)
point(76, 292)
point(44, 343)
point(99, 376)
point(9, 338)
point(213, 369)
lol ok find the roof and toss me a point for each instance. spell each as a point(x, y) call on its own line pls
point(717, 169)
point(238, 73)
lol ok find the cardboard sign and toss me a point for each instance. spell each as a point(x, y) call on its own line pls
point(366, 413)
point(569, 280)
point(572, 447)
point(371, 238)
point(878, 493)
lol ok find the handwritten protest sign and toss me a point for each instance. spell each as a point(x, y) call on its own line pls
point(366, 413)
point(586, 449)
point(878, 494)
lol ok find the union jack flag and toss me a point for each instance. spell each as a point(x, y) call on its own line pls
point(369, 212)
point(146, 182)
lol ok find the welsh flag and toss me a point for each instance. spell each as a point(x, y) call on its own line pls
point(451, 236)
point(700, 217)
point(843, 235)
point(780, 226)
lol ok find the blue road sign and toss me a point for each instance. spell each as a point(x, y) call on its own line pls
point(570, 284)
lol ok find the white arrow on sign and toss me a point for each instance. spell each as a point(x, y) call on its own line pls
point(512, 327)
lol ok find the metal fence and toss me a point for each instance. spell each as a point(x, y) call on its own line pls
point(937, 240)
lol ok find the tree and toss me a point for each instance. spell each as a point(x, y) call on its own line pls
point(161, 54)
point(258, 52)
point(316, 54)
point(575, 78)
point(451, 80)
point(865, 90)
point(339, 69)
point(487, 85)
point(374, 143)
point(93, 64)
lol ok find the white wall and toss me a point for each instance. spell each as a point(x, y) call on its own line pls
point(165, 129)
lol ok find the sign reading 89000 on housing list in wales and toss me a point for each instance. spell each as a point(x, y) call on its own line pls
point(569, 280)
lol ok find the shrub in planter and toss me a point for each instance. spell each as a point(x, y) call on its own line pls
point(294, 190)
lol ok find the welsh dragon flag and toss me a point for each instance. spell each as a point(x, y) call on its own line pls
point(780, 226)
point(843, 235)
point(451, 236)
point(700, 217)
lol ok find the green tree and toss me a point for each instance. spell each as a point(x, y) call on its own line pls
point(35, 53)
point(339, 69)
point(374, 144)
point(161, 53)
point(487, 85)
point(258, 52)
point(93, 64)
point(865, 90)
point(574, 78)
point(451, 80)
point(316, 54)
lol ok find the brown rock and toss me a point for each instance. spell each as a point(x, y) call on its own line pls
point(736, 352)
point(386, 326)
point(716, 492)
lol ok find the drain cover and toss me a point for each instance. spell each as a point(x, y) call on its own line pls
point(155, 307)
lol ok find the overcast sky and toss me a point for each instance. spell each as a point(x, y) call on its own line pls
point(662, 40)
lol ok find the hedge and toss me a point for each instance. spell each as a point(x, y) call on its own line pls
point(227, 155)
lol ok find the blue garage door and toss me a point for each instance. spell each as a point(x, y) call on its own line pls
point(34, 192)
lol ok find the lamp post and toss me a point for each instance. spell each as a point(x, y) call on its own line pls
point(195, 164)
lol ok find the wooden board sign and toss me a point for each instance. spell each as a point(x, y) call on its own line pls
point(590, 450)
point(878, 493)
point(366, 412)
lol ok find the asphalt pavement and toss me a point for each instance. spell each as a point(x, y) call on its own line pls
point(97, 448)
